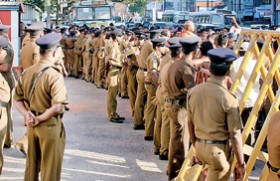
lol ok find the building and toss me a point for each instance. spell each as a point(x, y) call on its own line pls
point(190, 5)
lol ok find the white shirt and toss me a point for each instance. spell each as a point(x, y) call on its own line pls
point(244, 80)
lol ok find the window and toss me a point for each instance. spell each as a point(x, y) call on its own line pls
point(217, 19)
point(84, 14)
point(102, 13)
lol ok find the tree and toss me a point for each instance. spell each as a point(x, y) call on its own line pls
point(39, 3)
point(138, 6)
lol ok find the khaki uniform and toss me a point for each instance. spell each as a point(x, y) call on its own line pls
point(273, 145)
point(101, 61)
point(46, 141)
point(180, 76)
point(162, 125)
point(88, 61)
point(131, 76)
point(114, 56)
point(78, 55)
point(9, 77)
point(5, 93)
point(141, 97)
point(153, 63)
point(125, 45)
point(95, 60)
point(30, 54)
point(107, 64)
point(70, 42)
point(214, 120)
point(64, 48)
point(84, 57)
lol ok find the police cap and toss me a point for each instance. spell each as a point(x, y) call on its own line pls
point(138, 32)
point(36, 27)
point(4, 41)
point(158, 42)
point(4, 28)
point(97, 33)
point(175, 47)
point(107, 29)
point(117, 32)
point(72, 33)
point(129, 33)
point(165, 33)
point(190, 41)
point(141, 36)
point(49, 40)
point(222, 55)
point(174, 40)
point(47, 30)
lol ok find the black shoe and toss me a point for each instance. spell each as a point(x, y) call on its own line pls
point(7, 146)
point(66, 108)
point(120, 118)
point(156, 152)
point(149, 138)
point(125, 97)
point(116, 121)
point(163, 157)
point(139, 127)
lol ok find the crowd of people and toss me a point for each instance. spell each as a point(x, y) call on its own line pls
point(177, 83)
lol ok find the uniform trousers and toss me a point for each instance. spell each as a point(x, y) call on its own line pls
point(150, 110)
point(100, 72)
point(70, 61)
point(176, 153)
point(94, 67)
point(88, 67)
point(77, 63)
point(165, 129)
point(158, 123)
point(132, 87)
point(217, 157)
point(46, 144)
point(113, 92)
point(141, 98)
point(3, 131)
point(9, 138)
point(273, 176)
point(65, 59)
point(124, 81)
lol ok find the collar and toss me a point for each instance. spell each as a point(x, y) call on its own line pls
point(46, 61)
point(215, 80)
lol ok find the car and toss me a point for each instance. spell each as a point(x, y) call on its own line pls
point(207, 26)
point(158, 25)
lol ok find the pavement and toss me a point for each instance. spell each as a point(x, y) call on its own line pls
point(96, 149)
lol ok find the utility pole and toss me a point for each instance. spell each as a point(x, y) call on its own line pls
point(57, 12)
point(48, 13)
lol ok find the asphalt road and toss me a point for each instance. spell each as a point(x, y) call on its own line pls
point(96, 150)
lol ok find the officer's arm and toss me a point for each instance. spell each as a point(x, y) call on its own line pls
point(236, 141)
point(49, 113)
point(190, 122)
point(154, 76)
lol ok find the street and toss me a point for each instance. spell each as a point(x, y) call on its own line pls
point(96, 149)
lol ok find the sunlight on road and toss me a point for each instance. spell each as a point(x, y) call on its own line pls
point(148, 166)
point(97, 173)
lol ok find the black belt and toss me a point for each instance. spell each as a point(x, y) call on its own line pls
point(211, 141)
point(148, 83)
point(116, 67)
point(274, 169)
point(3, 104)
point(38, 114)
point(179, 102)
point(143, 69)
point(133, 67)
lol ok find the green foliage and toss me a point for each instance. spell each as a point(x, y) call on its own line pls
point(138, 6)
point(39, 3)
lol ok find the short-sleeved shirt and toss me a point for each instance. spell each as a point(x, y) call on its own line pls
point(70, 42)
point(146, 50)
point(114, 54)
point(273, 141)
point(88, 44)
point(164, 77)
point(213, 110)
point(180, 76)
point(30, 54)
point(153, 63)
point(49, 90)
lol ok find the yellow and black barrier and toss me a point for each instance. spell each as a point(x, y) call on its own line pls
point(268, 71)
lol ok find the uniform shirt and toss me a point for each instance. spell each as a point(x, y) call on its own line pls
point(114, 54)
point(146, 50)
point(153, 63)
point(70, 42)
point(163, 78)
point(101, 41)
point(213, 110)
point(273, 141)
point(63, 41)
point(49, 90)
point(124, 45)
point(5, 91)
point(167, 58)
point(30, 54)
point(95, 46)
point(180, 76)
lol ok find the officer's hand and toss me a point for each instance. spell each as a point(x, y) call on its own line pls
point(239, 172)
point(29, 119)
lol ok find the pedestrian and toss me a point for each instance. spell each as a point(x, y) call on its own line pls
point(214, 120)
point(40, 97)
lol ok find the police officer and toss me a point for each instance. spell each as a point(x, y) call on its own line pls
point(70, 42)
point(273, 144)
point(64, 46)
point(88, 54)
point(180, 79)
point(5, 93)
point(95, 44)
point(6, 70)
point(141, 97)
point(114, 56)
point(214, 119)
point(29, 55)
point(78, 51)
point(40, 97)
